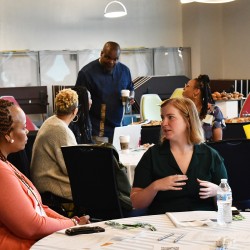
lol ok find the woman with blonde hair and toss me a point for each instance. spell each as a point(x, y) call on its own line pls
point(182, 173)
point(48, 170)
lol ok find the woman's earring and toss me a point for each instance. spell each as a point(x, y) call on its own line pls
point(75, 118)
point(11, 140)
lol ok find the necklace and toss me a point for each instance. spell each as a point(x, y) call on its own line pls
point(22, 179)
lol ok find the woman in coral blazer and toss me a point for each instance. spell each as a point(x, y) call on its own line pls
point(23, 217)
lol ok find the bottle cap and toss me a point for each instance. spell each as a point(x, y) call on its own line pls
point(224, 180)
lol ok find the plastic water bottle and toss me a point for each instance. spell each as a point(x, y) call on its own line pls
point(224, 203)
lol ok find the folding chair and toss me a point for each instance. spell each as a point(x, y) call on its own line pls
point(177, 93)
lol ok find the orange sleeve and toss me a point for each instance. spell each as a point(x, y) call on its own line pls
point(17, 212)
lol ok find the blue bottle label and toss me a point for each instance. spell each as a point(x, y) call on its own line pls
point(224, 197)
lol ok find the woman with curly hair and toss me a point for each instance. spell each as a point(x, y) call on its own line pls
point(48, 170)
point(198, 90)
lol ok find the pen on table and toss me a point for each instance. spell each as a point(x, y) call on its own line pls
point(178, 238)
point(165, 236)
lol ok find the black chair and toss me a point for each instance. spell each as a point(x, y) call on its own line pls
point(60, 205)
point(92, 179)
point(21, 162)
point(234, 131)
point(29, 145)
point(236, 154)
point(150, 134)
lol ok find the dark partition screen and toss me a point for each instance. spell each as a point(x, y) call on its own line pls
point(33, 100)
point(164, 86)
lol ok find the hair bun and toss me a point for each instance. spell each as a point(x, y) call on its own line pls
point(204, 78)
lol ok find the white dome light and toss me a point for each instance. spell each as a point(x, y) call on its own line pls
point(115, 9)
point(207, 1)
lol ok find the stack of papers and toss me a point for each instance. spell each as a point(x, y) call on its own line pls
point(193, 218)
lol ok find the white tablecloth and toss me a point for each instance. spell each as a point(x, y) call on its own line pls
point(196, 238)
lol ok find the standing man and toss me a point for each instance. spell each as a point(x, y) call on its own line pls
point(105, 78)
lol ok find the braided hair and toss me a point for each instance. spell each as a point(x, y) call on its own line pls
point(5, 117)
point(202, 83)
point(82, 128)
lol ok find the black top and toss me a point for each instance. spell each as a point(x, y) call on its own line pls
point(158, 162)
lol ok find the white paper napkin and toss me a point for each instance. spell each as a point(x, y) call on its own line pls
point(192, 219)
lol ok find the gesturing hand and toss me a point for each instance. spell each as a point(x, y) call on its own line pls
point(208, 189)
point(172, 182)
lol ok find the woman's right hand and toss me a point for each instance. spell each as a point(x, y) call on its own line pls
point(143, 197)
point(172, 182)
point(84, 220)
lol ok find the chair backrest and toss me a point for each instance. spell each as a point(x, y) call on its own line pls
point(21, 159)
point(150, 107)
point(236, 154)
point(177, 93)
point(234, 131)
point(21, 162)
point(92, 179)
point(150, 134)
point(245, 109)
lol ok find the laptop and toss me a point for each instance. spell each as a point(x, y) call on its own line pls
point(135, 135)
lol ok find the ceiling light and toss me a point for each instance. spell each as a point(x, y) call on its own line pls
point(187, 1)
point(207, 1)
point(115, 9)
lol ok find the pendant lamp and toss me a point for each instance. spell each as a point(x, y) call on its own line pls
point(207, 1)
point(115, 9)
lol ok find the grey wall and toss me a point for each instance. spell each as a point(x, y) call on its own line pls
point(80, 24)
point(218, 34)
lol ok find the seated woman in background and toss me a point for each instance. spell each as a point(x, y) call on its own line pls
point(23, 217)
point(81, 125)
point(198, 90)
point(48, 170)
point(182, 173)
